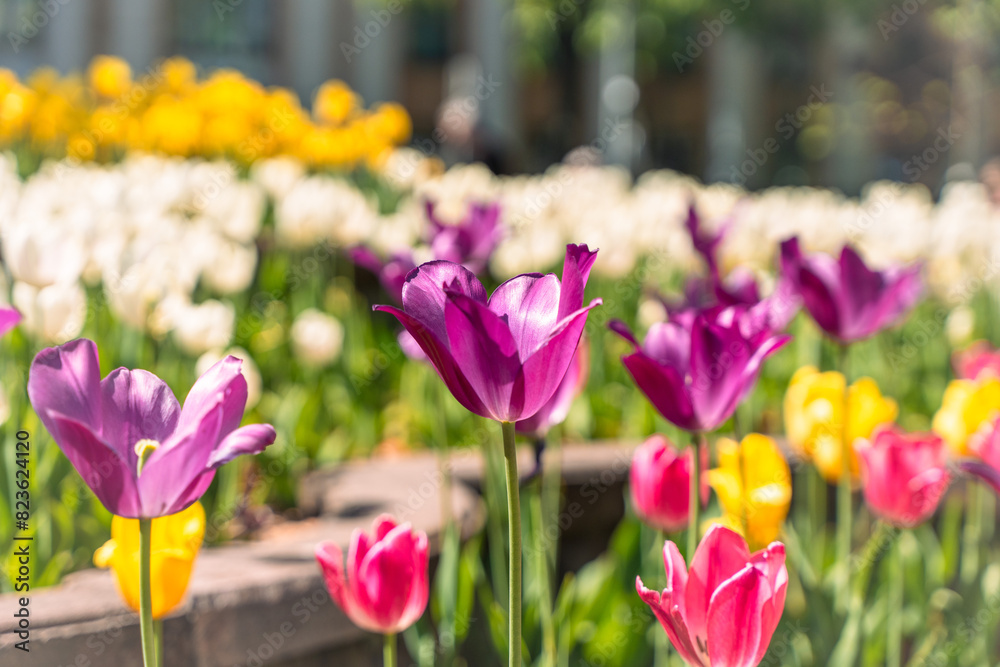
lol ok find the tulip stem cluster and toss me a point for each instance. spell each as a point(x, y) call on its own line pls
point(514, 520)
point(149, 653)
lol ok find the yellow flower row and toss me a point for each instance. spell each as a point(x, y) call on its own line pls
point(169, 110)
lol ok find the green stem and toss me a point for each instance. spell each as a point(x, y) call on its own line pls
point(514, 520)
point(846, 650)
point(971, 534)
point(694, 501)
point(845, 511)
point(158, 640)
point(389, 651)
point(540, 507)
point(894, 641)
point(145, 595)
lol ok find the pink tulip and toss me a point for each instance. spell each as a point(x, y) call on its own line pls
point(659, 482)
point(385, 586)
point(723, 612)
point(977, 359)
point(904, 474)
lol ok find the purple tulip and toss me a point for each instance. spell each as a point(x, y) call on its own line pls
point(555, 411)
point(849, 301)
point(9, 318)
point(140, 453)
point(501, 357)
point(696, 369)
point(469, 243)
point(391, 273)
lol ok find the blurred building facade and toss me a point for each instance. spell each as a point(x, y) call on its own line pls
point(838, 105)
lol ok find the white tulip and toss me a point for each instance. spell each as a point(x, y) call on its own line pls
point(317, 338)
point(53, 314)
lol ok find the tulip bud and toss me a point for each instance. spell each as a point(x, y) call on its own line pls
point(660, 484)
point(384, 585)
point(904, 475)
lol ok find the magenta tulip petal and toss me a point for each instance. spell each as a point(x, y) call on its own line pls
point(542, 372)
point(67, 380)
point(556, 409)
point(136, 405)
point(734, 620)
point(720, 554)
point(97, 423)
point(250, 439)
point(9, 318)
point(530, 305)
point(169, 470)
point(476, 345)
point(983, 471)
point(665, 389)
point(223, 381)
point(424, 293)
point(441, 359)
point(482, 344)
point(104, 470)
point(847, 299)
point(576, 270)
point(669, 343)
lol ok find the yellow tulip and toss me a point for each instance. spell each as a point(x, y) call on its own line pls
point(814, 407)
point(754, 485)
point(966, 405)
point(175, 542)
point(335, 103)
point(109, 76)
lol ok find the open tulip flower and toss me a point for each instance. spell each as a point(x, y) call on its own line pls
point(754, 485)
point(176, 540)
point(127, 436)
point(555, 411)
point(471, 242)
point(849, 301)
point(724, 610)
point(696, 369)
point(660, 483)
point(966, 407)
point(814, 408)
point(384, 587)
point(502, 357)
point(904, 475)
point(9, 318)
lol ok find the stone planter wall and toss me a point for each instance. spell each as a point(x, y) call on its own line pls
point(263, 602)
